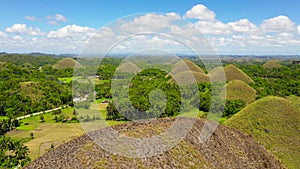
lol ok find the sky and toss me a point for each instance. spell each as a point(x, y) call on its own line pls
point(253, 27)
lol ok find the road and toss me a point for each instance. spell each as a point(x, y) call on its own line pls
point(38, 113)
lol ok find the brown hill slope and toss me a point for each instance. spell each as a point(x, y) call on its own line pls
point(128, 67)
point(239, 90)
point(275, 123)
point(66, 63)
point(272, 64)
point(189, 77)
point(185, 65)
point(227, 148)
point(231, 73)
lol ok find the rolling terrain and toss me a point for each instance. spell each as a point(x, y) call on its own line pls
point(227, 148)
point(275, 123)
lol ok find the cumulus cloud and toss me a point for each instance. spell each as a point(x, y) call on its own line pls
point(200, 12)
point(31, 18)
point(54, 19)
point(23, 29)
point(2, 34)
point(148, 22)
point(278, 24)
point(71, 31)
point(213, 27)
point(243, 26)
point(237, 36)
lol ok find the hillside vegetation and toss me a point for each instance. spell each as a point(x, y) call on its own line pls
point(185, 65)
point(231, 72)
point(128, 67)
point(66, 63)
point(227, 148)
point(189, 77)
point(275, 123)
point(239, 90)
point(272, 64)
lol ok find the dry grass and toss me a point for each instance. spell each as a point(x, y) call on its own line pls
point(189, 77)
point(226, 149)
point(272, 64)
point(231, 73)
point(2, 65)
point(128, 67)
point(185, 65)
point(239, 90)
point(49, 133)
point(275, 123)
point(66, 63)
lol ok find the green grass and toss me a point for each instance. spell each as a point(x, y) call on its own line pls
point(49, 132)
point(33, 122)
point(66, 79)
point(275, 123)
point(3, 117)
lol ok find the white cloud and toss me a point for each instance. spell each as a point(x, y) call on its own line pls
point(72, 31)
point(17, 37)
point(52, 22)
point(278, 24)
point(213, 27)
point(148, 22)
point(243, 26)
point(60, 17)
point(2, 34)
point(23, 29)
point(31, 18)
point(278, 33)
point(298, 29)
point(200, 12)
point(54, 19)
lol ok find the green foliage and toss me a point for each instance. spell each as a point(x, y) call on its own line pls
point(232, 107)
point(280, 81)
point(24, 91)
point(12, 152)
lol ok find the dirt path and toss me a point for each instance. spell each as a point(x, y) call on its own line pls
point(38, 113)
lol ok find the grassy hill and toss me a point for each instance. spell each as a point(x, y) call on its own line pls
point(128, 67)
point(272, 64)
point(2, 65)
point(66, 63)
point(227, 148)
point(185, 65)
point(275, 123)
point(231, 73)
point(188, 77)
point(31, 89)
point(239, 90)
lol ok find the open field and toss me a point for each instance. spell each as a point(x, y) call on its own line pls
point(49, 132)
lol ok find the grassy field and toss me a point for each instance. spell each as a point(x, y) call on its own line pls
point(50, 133)
point(275, 123)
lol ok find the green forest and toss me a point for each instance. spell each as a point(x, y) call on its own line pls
point(31, 84)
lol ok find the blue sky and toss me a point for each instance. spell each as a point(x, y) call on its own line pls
point(44, 16)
